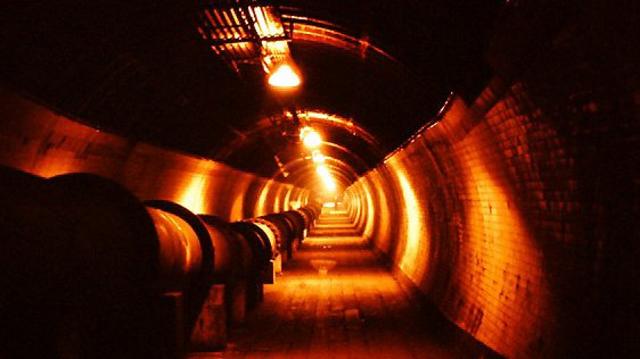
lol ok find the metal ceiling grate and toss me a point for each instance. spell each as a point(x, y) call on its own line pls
point(308, 28)
point(245, 31)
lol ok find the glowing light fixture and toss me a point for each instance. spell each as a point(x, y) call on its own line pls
point(330, 186)
point(317, 157)
point(310, 138)
point(323, 172)
point(326, 178)
point(284, 77)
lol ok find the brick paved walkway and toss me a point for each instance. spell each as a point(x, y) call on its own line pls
point(335, 300)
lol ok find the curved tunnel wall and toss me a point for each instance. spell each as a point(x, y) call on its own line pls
point(516, 215)
point(37, 140)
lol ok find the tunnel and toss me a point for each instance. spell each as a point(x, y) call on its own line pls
point(319, 179)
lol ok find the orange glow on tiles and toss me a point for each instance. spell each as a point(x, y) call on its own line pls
point(237, 194)
point(192, 194)
point(287, 199)
point(278, 205)
point(371, 213)
point(499, 238)
point(237, 207)
point(415, 229)
point(261, 204)
point(284, 77)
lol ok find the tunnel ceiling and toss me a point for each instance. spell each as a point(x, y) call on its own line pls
point(141, 69)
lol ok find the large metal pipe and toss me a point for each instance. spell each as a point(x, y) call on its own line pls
point(82, 268)
point(242, 287)
point(117, 236)
point(81, 249)
point(308, 217)
point(38, 273)
point(179, 251)
point(316, 208)
point(299, 223)
point(278, 237)
point(286, 230)
point(205, 242)
point(254, 237)
point(129, 235)
point(233, 256)
point(269, 237)
point(260, 239)
point(266, 235)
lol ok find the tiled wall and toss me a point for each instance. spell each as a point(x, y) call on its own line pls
point(36, 140)
point(517, 215)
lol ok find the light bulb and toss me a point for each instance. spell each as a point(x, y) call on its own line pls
point(284, 77)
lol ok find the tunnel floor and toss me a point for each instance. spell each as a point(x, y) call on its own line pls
point(336, 299)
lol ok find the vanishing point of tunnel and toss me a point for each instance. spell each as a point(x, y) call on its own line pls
point(319, 179)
